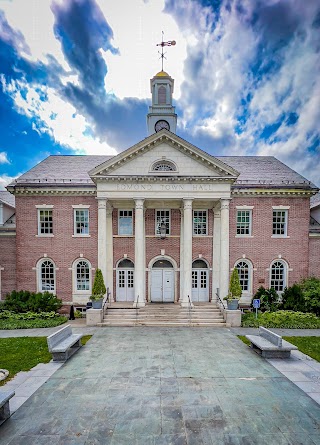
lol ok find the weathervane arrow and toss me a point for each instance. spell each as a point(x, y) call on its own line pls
point(163, 44)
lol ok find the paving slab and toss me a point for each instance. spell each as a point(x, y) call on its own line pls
point(165, 386)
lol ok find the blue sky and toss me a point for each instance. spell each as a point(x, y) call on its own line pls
point(74, 77)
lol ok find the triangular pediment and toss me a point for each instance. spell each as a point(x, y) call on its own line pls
point(164, 147)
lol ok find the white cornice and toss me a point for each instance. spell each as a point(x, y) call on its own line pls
point(147, 178)
point(152, 141)
point(274, 192)
point(29, 191)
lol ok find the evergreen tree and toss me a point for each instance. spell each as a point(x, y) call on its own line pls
point(99, 289)
point(235, 289)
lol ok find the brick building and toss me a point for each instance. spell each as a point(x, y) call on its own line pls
point(163, 220)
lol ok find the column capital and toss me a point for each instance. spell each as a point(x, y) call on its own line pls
point(102, 203)
point(139, 203)
point(224, 203)
point(187, 203)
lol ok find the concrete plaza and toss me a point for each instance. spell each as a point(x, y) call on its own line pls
point(165, 386)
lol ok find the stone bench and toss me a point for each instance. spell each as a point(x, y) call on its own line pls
point(270, 345)
point(63, 344)
point(5, 396)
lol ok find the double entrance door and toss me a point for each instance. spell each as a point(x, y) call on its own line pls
point(162, 286)
point(200, 285)
point(125, 285)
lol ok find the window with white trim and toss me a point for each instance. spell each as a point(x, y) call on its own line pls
point(162, 216)
point(125, 222)
point(244, 222)
point(243, 268)
point(81, 221)
point(280, 222)
point(46, 276)
point(200, 222)
point(278, 275)
point(45, 222)
point(164, 166)
point(82, 275)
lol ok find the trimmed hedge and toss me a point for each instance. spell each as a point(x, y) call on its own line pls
point(29, 320)
point(26, 301)
point(281, 319)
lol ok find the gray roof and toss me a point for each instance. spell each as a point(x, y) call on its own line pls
point(7, 198)
point(259, 171)
point(315, 200)
point(267, 171)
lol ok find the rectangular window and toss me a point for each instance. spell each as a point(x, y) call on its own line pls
point(244, 222)
point(81, 221)
point(45, 223)
point(279, 222)
point(162, 217)
point(125, 222)
point(200, 222)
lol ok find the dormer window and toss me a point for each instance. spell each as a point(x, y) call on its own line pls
point(164, 166)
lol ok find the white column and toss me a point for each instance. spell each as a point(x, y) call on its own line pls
point(139, 254)
point(187, 248)
point(216, 252)
point(224, 246)
point(102, 237)
point(109, 248)
point(181, 253)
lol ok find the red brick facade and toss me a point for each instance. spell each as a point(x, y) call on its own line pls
point(7, 264)
point(63, 248)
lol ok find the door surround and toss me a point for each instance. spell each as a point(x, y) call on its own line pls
point(175, 273)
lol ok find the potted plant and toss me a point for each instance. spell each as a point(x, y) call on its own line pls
point(98, 290)
point(235, 291)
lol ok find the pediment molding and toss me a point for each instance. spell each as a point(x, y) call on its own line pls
point(109, 167)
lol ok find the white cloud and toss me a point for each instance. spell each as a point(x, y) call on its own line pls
point(56, 117)
point(6, 179)
point(4, 158)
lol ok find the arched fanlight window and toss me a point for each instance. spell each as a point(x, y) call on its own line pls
point(278, 275)
point(125, 264)
point(199, 264)
point(164, 264)
point(46, 276)
point(164, 166)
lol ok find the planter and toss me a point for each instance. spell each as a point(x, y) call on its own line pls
point(232, 304)
point(97, 304)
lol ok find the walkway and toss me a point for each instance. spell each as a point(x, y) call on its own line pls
point(165, 386)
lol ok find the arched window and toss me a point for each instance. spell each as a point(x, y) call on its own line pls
point(278, 275)
point(244, 268)
point(162, 95)
point(164, 166)
point(125, 264)
point(46, 276)
point(162, 264)
point(81, 276)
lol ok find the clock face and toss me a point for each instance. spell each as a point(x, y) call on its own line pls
point(161, 124)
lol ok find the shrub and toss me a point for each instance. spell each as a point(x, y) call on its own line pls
point(24, 301)
point(27, 320)
point(281, 319)
point(293, 299)
point(269, 299)
point(311, 292)
point(99, 289)
point(235, 289)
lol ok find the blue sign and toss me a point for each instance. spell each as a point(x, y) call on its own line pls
point(256, 303)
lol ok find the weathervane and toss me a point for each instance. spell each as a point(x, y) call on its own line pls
point(162, 44)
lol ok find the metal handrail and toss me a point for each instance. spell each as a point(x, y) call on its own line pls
point(189, 308)
point(137, 310)
point(107, 299)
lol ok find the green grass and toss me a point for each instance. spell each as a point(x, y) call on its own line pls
point(281, 319)
point(30, 324)
point(307, 345)
point(13, 355)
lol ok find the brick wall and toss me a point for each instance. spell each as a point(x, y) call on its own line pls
point(261, 249)
point(63, 249)
point(314, 257)
point(8, 263)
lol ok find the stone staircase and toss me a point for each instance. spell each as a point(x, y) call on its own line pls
point(201, 315)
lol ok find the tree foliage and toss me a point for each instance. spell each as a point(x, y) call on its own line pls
point(99, 288)
point(235, 289)
point(25, 301)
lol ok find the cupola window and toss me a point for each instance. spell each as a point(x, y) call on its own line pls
point(162, 95)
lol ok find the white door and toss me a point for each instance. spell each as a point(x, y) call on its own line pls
point(200, 285)
point(162, 286)
point(125, 285)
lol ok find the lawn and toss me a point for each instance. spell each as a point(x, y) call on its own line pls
point(13, 355)
point(307, 345)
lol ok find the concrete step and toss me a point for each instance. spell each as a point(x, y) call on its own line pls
point(161, 324)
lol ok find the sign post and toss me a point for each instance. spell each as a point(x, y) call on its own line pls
point(256, 305)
